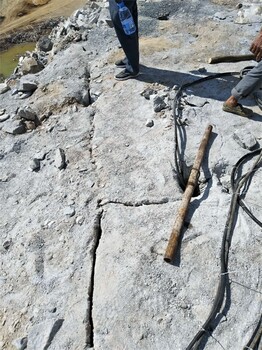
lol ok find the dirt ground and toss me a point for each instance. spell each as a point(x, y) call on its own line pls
point(19, 17)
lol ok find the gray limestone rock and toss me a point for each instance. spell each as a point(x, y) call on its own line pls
point(41, 335)
point(27, 86)
point(34, 164)
point(149, 123)
point(4, 88)
point(85, 100)
point(31, 65)
point(44, 44)
point(14, 127)
point(245, 139)
point(27, 113)
point(159, 103)
point(60, 159)
point(147, 93)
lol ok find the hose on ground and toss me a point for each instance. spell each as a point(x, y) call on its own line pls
point(237, 199)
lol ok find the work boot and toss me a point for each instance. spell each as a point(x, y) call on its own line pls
point(125, 74)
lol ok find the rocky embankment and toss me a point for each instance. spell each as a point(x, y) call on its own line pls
point(29, 34)
point(27, 20)
point(89, 189)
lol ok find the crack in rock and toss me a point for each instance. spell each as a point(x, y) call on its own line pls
point(97, 230)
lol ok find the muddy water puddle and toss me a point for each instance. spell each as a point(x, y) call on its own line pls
point(9, 59)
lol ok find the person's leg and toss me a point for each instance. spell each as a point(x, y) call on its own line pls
point(129, 43)
point(249, 84)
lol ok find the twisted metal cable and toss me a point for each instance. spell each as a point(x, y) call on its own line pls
point(207, 327)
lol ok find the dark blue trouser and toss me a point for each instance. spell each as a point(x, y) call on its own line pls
point(129, 43)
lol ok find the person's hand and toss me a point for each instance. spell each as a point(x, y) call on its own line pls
point(256, 47)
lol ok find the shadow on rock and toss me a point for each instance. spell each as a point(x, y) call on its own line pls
point(204, 84)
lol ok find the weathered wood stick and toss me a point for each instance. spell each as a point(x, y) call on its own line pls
point(182, 211)
point(220, 59)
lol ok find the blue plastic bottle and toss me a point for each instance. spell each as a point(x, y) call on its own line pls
point(126, 19)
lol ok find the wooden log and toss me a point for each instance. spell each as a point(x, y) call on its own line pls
point(182, 211)
point(239, 58)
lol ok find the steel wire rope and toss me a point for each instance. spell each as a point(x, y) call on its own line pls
point(228, 231)
point(233, 176)
point(256, 336)
point(207, 327)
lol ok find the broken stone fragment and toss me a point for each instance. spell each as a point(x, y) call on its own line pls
point(149, 123)
point(86, 98)
point(60, 159)
point(147, 93)
point(245, 139)
point(27, 86)
point(4, 88)
point(83, 97)
point(27, 113)
point(30, 65)
point(7, 244)
point(44, 44)
point(159, 104)
point(34, 164)
point(14, 127)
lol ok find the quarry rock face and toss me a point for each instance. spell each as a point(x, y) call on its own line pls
point(90, 187)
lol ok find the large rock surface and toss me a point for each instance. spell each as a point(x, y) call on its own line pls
point(89, 193)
